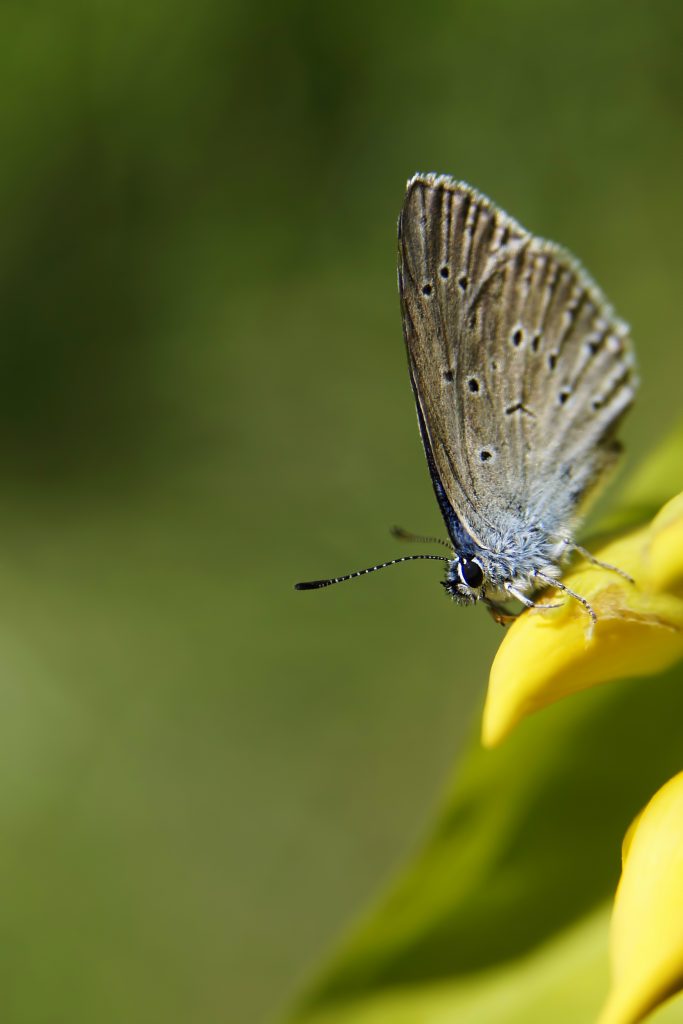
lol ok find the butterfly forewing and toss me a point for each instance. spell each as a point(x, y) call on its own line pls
point(520, 369)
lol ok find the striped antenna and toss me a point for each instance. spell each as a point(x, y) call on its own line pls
point(317, 584)
point(401, 534)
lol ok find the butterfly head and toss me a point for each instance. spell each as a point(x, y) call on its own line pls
point(464, 579)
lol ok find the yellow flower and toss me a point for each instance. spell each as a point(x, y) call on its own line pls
point(548, 654)
point(647, 923)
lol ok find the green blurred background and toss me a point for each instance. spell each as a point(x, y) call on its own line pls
point(204, 775)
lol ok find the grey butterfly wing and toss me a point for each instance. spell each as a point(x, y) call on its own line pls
point(521, 372)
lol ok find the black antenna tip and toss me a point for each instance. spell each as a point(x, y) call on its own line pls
point(313, 585)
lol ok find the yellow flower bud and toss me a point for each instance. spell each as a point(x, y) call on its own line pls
point(647, 922)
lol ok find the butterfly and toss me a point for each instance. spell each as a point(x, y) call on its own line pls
point(521, 374)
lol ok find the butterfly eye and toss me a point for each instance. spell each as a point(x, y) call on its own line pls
point(470, 572)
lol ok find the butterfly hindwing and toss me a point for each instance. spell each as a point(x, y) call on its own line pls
point(520, 369)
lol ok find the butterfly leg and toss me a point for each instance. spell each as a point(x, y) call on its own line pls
point(513, 592)
point(551, 581)
point(596, 561)
point(526, 601)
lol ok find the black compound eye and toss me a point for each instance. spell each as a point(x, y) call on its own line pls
point(470, 572)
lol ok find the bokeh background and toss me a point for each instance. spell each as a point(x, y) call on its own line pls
point(204, 776)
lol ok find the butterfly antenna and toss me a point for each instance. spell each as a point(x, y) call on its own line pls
point(401, 534)
point(317, 584)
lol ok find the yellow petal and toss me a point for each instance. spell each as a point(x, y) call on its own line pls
point(647, 922)
point(549, 654)
point(664, 556)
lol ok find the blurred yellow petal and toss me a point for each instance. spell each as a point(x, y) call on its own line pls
point(664, 557)
point(549, 654)
point(647, 922)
